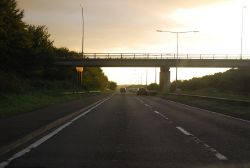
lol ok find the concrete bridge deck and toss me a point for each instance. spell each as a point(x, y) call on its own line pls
point(164, 61)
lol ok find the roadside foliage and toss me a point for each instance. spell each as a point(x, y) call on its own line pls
point(27, 57)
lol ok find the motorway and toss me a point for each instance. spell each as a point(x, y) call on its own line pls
point(128, 131)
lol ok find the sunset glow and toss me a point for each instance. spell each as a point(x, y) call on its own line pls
point(130, 26)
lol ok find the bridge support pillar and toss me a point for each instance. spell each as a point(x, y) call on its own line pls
point(164, 79)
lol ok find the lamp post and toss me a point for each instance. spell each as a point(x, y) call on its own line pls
point(242, 26)
point(155, 76)
point(82, 32)
point(177, 46)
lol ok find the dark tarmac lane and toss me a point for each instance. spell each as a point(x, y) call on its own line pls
point(127, 131)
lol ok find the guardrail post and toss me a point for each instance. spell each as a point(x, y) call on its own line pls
point(161, 55)
point(134, 55)
point(200, 56)
point(213, 56)
point(95, 55)
point(187, 56)
point(108, 55)
point(121, 55)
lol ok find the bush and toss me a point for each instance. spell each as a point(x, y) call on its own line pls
point(233, 80)
point(153, 86)
point(11, 83)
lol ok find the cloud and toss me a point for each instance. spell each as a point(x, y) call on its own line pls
point(108, 23)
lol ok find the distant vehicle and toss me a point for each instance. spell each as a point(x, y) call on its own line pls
point(122, 90)
point(142, 92)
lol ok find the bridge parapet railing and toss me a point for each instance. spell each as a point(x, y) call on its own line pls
point(129, 55)
point(162, 56)
point(212, 56)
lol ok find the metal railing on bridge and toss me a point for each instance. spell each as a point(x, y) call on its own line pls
point(162, 56)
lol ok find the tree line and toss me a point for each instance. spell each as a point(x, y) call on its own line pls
point(27, 57)
point(233, 80)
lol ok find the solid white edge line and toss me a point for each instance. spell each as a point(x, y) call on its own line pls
point(48, 136)
point(184, 131)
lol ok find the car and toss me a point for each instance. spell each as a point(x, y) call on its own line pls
point(142, 92)
point(123, 90)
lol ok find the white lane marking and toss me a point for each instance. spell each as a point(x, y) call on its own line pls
point(147, 105)
point(140, 100)
point(157, 112)
point(47, 137)
point(206, 146)
point(163, 116)
point(196, 139)
point(4, 164)
point(184, 131)
point(220, 156)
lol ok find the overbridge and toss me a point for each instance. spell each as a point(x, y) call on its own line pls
point(162, 60)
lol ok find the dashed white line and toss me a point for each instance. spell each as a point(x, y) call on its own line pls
point(206, 146)
point(141, 101)
point(220, 156)
point(163, 116)
point(157, 112)
point(195, 139)
point(184, 131)
point(47, 137)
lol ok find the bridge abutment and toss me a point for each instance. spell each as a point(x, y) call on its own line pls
point(164, 79)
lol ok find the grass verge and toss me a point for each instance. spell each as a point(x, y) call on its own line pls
point(20, 103)
point(215, 93)
point(235, 109)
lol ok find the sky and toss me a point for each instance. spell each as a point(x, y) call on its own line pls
point(130, 26)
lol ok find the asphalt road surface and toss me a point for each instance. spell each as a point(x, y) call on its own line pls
point(128, 131)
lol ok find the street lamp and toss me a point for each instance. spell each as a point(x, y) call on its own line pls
point(155, 76)
point(242, 24)
point(177, 46)
point(82, 32)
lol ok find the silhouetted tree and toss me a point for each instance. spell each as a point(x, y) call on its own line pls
point(112, 85)
point(233, 80)
point(153, 86)
point(14, 39)
point(27, 54)
point(94, 78)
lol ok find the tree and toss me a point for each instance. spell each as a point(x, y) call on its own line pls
point(153, 86)
point(40, 37)
point(94, 78)
point(233, 80)
point(64, 52)
point(14, 40)
point(39, 59)
point(28, 54)
point(112, 85)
